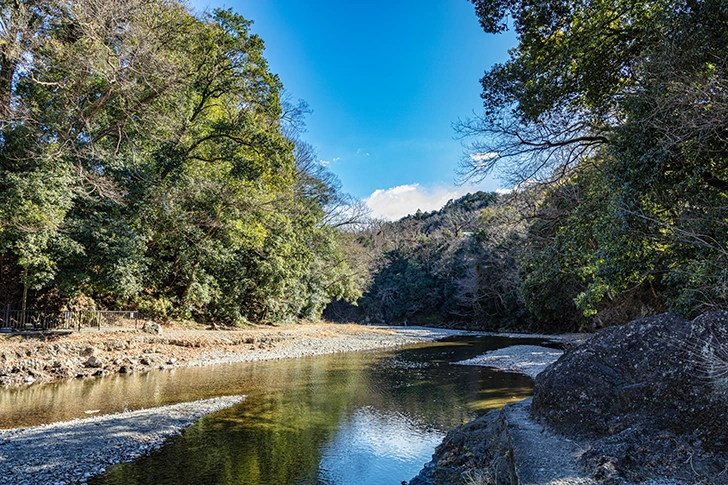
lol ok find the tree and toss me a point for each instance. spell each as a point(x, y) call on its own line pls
point(636, 91)
point(147, 159)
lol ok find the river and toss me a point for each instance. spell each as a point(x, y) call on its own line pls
point(364, 418)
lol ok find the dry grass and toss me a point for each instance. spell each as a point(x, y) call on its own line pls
point(479, 477)
point(710, 357)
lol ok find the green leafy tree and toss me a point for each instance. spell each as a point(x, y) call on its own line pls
point(636, 90)
point(147, 160)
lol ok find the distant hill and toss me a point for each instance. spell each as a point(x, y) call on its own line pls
point(423, 266)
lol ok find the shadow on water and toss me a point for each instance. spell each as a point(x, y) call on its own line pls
point(356, 418)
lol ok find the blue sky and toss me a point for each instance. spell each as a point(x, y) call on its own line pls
point(385, 81)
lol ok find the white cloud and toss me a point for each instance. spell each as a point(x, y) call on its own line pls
point(479, 157)
point(399, 201)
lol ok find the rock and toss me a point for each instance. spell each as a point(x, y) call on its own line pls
point(152, 327)
point(94, 362)
point(145, 360)
point(654, 370)
point(649, 392)
point(479, 450)
point(87, 352)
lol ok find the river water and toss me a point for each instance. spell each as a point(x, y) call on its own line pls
point(364, 418)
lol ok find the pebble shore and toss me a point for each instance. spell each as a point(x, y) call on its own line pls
point(525, 359)
point(71, 452)
point(376, 338)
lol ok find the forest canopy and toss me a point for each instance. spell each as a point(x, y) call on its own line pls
point(618, 111)
point(610, 119)
point(149, 160)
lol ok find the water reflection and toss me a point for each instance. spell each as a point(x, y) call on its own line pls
point(361, 418)
point(374, 446)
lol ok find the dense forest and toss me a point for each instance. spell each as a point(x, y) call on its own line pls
point(149, 159)
point(613, 117)
point(611, 120)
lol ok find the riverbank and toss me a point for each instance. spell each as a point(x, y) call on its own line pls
point(73, 451)
point(28, 359)
point(644, 403)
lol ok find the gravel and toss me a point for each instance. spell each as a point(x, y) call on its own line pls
point(525, 359)
point(71, 452)
point(303, 346)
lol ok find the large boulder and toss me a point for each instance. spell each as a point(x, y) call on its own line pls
point(661, 373)
point(477, 452)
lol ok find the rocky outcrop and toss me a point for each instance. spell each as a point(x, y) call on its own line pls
point(650, 396)
point(645, 403)
point(478, 452)
point(657, 372)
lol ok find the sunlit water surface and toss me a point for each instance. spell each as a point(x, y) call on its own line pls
point(364, 418)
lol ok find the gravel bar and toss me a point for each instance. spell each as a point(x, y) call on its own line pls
point(525, 359)
point(375, 337)
point(71, 452)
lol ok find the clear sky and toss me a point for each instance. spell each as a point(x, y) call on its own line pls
point(385, 81)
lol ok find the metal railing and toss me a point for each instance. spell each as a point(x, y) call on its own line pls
point(33, 320)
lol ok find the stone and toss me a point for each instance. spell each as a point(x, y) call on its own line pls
point(651, 396)
point(655, 371)
point(87, 352)
point(94, 362)
point(152, 327)
point(477, 450)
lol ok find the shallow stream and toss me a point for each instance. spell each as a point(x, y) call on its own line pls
point(364, 418)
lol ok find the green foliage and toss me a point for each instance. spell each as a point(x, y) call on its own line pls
point(621, 107)
point(446, 266)
point(145, 161)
